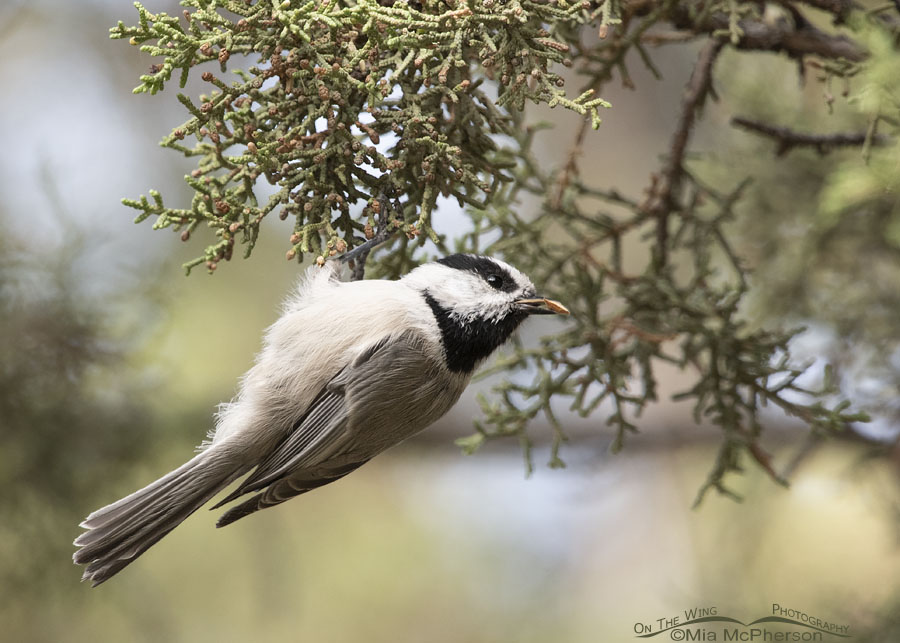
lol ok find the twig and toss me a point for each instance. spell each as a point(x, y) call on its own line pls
point(630, 329)
point(764, 459)
point(788, 139)
point(358, 256)
point(658, 38)
point(571, 167)
point(666, 186)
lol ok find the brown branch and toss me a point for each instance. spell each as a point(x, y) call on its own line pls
point(664, 191)
point(658, 38)
point(788, 139)
point(571, 167)
point(796, 40)
point(358, 256)
point(764, 459)
point(838, 8)
point(630, 330)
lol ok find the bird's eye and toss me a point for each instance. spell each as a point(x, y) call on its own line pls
point(495, 281)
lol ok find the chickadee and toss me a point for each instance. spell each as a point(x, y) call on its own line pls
point(348, 370)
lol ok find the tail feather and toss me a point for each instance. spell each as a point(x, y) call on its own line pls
point(139, 498)
point(130, 510)
point(119, 533)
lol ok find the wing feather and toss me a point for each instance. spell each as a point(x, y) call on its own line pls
point(353, 418)
point(318, 430)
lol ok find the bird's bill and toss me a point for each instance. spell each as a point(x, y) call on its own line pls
point(541, 306)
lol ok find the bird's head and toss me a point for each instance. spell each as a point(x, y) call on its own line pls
point(477, 302)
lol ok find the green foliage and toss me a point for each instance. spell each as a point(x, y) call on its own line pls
point(684, 311)
point(854, 185)
point(361, 114)
point(819, 225)
point(329, 82)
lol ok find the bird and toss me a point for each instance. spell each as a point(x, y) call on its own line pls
point(348, 370)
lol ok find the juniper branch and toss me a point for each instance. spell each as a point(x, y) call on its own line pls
point(336, 105)
point(666, 185)
point(340, 102)
point(789, 139)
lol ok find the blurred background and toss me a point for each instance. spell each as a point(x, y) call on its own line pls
point(112, 362)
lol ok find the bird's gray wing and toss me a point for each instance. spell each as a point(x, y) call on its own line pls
point(312, 436)
point(327, 442)
point(314, 433)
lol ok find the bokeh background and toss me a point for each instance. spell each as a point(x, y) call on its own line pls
point(112, 362)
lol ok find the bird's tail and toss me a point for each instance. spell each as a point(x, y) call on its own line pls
point(119, 533)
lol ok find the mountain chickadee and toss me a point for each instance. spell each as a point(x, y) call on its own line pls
point(348, 370)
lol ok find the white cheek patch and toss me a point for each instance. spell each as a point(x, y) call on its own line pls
point(480, 305)
point(465, 295)
point(491, 307)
